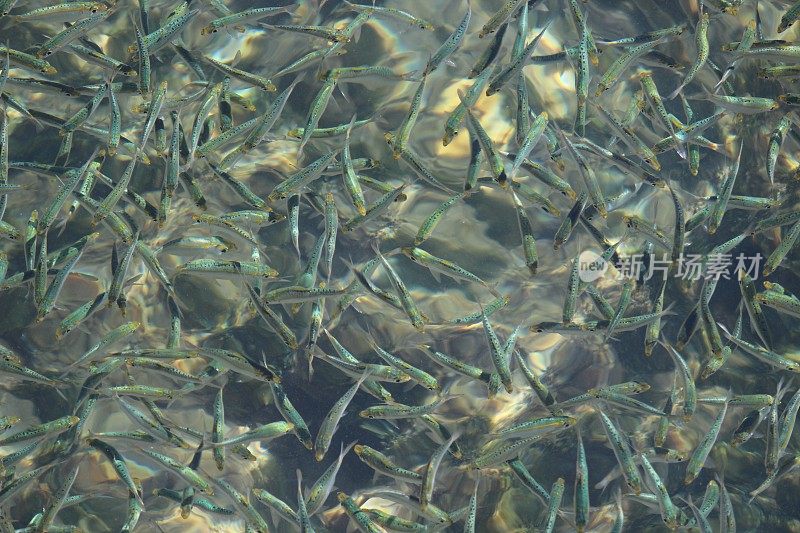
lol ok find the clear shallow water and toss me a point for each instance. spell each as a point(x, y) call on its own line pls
point(480, 233)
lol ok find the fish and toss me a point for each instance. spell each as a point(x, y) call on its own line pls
point(90, 170)
point(331, 420)
point(450, 45)
point(700, 453)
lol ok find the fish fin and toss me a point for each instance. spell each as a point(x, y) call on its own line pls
point(236, 59)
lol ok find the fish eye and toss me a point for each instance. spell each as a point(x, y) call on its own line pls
point(215, 30)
